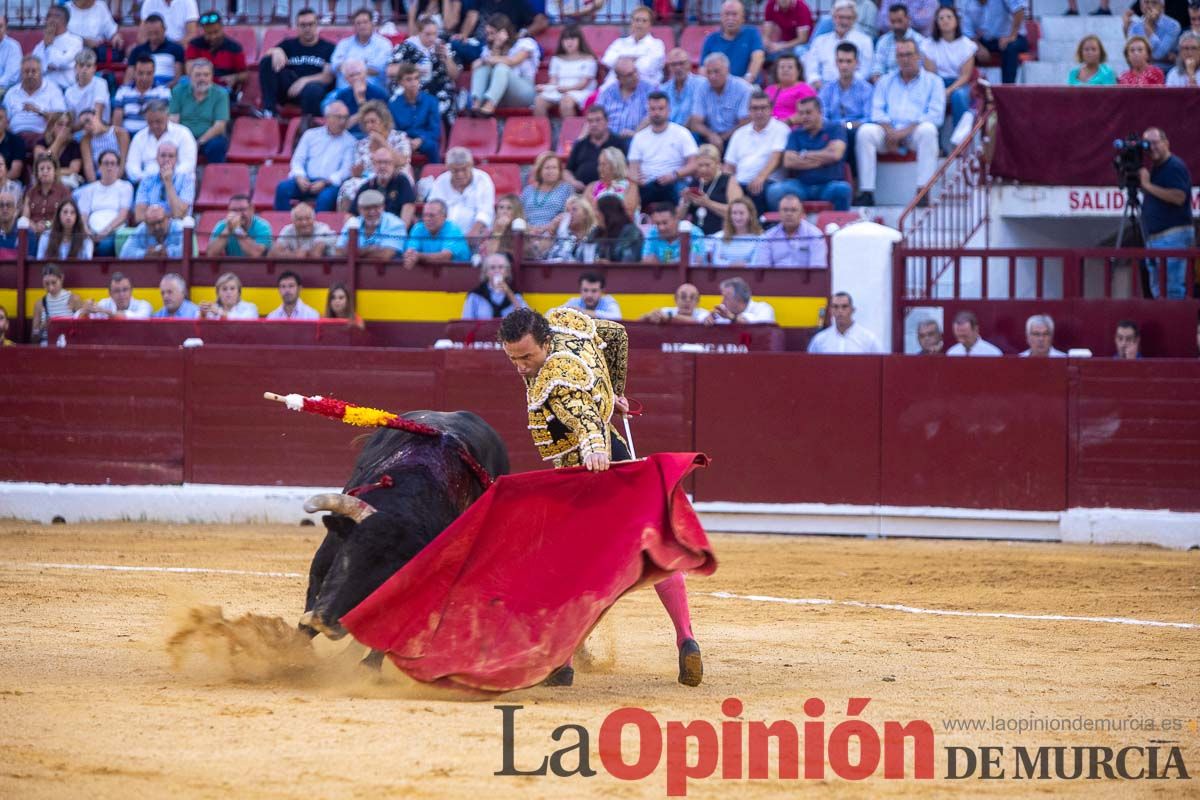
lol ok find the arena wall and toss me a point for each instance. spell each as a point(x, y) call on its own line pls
point(864, 431)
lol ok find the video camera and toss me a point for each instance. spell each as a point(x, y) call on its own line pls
point(1130, 157)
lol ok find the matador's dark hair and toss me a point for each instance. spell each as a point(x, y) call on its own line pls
point(522, 321)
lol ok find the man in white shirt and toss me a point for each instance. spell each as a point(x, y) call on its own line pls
point(661, 154)
point(10, 58)
point(820, 62)
point(366, 44)
point(1039, 333)
point(738, 305)
point(87, 93)
point(469, 194)
point(755, 151)
point(58, 49)
point(31, 101)
point(966, 330)
point(686, 311)
point(181, 17)
point(120, 303)
point(92, 22)
point(844, 336)
point(648, 52)
point(143, 149)
point(292, 306)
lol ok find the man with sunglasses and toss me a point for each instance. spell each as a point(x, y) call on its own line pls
point(227, 57)
point(297, 71)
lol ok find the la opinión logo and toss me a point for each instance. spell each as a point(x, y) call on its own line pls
point(737, 749)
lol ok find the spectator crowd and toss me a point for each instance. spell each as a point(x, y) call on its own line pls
point(708, 156)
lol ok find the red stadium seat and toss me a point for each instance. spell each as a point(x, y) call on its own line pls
point(28, 39)
point(290, 136)
point(572, 128)
point(335, 33)
point(480, 136)
point(601, 36)
point(548, 41)
point(523, 140)
point(276, 219)
point(1033, 33)
point(221, 181)
point(273, 36)
point(269, 176)
point(334, 219)
point(692, 39)
point(431, 171)
point(251, 98)
point(664, 33)
point(205, 224)
point(396, 38)
point(507, 112)
point(247, 37)
point(506, 177)
point(254, 141)
point(897, 158)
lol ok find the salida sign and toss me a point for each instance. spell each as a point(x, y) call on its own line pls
point(1100, 200)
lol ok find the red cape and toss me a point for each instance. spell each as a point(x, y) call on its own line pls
point(506, 594)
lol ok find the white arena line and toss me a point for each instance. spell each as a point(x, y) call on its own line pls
point(183, 570)
point(817, 601)
point(756, 598)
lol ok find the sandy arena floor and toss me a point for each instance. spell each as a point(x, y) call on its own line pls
point(90, 705)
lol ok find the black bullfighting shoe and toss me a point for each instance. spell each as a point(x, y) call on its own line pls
point(691, 668)
point(563, 676)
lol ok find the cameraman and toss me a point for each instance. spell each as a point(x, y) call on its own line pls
point(1166, 212)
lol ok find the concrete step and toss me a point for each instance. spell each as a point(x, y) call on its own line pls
point(1072, 29)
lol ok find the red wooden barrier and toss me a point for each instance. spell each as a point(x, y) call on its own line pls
point(780, 427)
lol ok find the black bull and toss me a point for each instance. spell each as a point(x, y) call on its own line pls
point(430, 486)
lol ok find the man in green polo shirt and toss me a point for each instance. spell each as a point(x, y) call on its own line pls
point(241, 233)
point(203, 108)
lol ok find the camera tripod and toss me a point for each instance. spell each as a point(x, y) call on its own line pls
point(1132, 218)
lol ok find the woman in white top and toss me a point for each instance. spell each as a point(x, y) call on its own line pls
point(229, 303)
point(951, 56)
point(57, 302)
point(504, 73)
point(572, 76)
point(68, 235)
point(734, 245)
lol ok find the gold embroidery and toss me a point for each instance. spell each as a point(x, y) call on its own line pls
point(576, 386)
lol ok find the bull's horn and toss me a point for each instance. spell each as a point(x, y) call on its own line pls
point(343, 504)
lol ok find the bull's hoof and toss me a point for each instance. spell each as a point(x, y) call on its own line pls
point(373, 661)
point(563, 676)
point(312, 620)
point(691, 667)
point(307, 630)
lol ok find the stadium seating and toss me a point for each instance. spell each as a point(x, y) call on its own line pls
point(254, 141)
point(601, 36)
point(276, 219)
point(571, 129)
point(480, 136)
point(247, 37)
point(692, 39)
point(548, 41)
point(523, 140)
point(291, 135)
point(205, 224)
point(664, 33)
point(28, 39)
point(506, 177)
point(269, 176)
point(334, 219)
point(221, 181)
point(839, 218)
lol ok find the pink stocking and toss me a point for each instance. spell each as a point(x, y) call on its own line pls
point(673, 594)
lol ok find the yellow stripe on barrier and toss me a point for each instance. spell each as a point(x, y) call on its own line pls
point(382, 305)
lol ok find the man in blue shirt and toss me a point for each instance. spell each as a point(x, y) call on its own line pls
point(592, 300)
point(380, 234)
point(156, 237)
point(168, 56)
point(681, 85)
point(847, 101)
point(741, 43)
point(721, 104)
point(242, 232)
point(664, 245)
point(998, 26)
point(416, 113)
point(906, 110)
point(814, 157)
point(175, 303)
point(434, 238)
point(1167, 213)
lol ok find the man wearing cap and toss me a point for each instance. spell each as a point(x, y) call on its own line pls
point(380, 233)
point(142, 159)
point(226, 55)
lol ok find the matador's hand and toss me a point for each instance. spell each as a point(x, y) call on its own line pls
point(621, 404)
point(596, 462)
